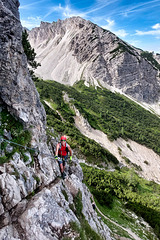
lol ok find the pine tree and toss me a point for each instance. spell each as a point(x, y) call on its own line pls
point(29, 51)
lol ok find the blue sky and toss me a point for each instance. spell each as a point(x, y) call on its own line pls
point(135, 21)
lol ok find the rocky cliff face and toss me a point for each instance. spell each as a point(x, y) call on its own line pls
point(76, 49)
point(34, 202)
point(50, 212)
point(17, 90)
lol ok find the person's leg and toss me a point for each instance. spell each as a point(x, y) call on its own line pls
point(65, 160)
point(61, 167)
point(64, 175)
point(64, 164)
point(62, 170)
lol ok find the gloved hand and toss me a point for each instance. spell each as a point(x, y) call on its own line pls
point(70, 159)
point(56, 157)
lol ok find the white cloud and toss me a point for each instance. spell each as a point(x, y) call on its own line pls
point(140, 7)
point(155, 32)
point(135, 43)
point(31, 22)
point(121, 33)
point(111, 23)
point(100, 4)
point(110, 26)
point(28, 6)
point(156, 26)
point(151, 32)
point(66, 11)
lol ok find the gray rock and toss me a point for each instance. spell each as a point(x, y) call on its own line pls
point(2, 169)
point(18, 91)
point(2, 153)
point(18, 210)
point(9, 148)
point(1, 207)
point(5, 219)
point(7, 134)
point(9, 233)
point(74, 168)
point(9, 190)
point(29, 158)
point(49, 215)
point(16, 157)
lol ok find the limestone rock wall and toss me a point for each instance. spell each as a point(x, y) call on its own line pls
point(19, 95)
point(17, 89)
point(48, 212)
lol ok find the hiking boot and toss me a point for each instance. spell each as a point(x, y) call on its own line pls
point(63, 175)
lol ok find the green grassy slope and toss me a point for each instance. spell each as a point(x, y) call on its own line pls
point(114, 114)
point(133, 192)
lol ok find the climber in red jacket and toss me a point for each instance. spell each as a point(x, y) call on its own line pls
point(61, 154)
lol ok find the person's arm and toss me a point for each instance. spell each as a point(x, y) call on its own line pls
point(57, 148)
point(70, 151)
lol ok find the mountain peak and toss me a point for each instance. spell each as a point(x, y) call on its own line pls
point(75, 49)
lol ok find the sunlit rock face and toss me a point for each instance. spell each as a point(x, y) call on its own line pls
point(17, 90)
point(76, 49)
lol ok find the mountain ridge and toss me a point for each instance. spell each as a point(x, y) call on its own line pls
point(75, 49)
